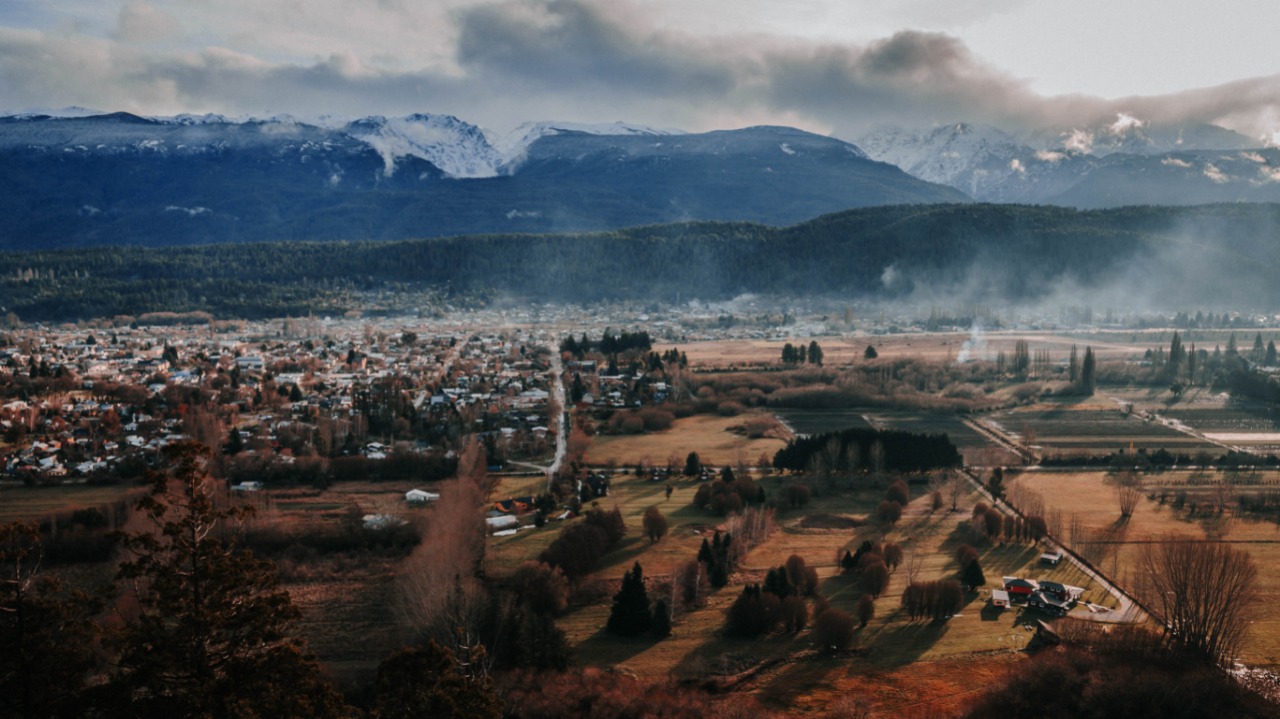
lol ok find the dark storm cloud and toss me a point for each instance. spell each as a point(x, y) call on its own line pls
point(586, 61)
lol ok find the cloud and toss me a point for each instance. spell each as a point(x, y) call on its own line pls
point(1212, 172)
point(1175, 162)
point(142, 22)
point(502, 63)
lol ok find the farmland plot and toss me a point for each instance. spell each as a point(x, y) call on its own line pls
point(1063, 430)
point(1252, 429)
point(1113, 545)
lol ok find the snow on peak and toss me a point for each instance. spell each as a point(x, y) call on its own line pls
point(515, 144)
point(458, 148)
point(69, 112)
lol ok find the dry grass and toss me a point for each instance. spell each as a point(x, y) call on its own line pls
point(928, 346)
point(891, 641)
point(709, 435)
point(35, 503)
point(1088, 495)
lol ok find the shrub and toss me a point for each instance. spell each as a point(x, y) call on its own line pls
point(542, 587)
point(753, 613)
point(833, 630)
point(898, 492)
point(889, 511)
point(865, 610)
point(655, 525)
point(875, 578)
point(795, 614)
point(798, 494)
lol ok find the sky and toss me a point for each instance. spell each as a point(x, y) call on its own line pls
point(838, 67)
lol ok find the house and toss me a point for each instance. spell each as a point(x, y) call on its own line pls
point(418, 496)
point(1061, 592)
point(502, 523)
point(1049, 603)
point(1018, 588)
point(1051, 558)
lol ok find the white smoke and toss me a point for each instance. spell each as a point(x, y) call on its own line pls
point(976, 344)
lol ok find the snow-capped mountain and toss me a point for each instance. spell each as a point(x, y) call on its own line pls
point(208, 178)
point(458, 148)
point(1124, 162)
point(515, 144)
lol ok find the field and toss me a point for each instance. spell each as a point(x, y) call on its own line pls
point(1090, 428)
point(929, 346)
point(711, 436)
point(1255, 429)
point(1117, 544)
point(975, 447)
point(888, 644)
point(18, 503)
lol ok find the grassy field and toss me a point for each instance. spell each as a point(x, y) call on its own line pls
point(711, 436)
point(1090, 428)
point(929, 346)
point(891, 640)
point(1093, 500)
point(35, 503)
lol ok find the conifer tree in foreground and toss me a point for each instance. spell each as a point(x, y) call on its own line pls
point(206, 630)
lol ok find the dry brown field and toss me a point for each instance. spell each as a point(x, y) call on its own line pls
point(889, 643)
point(36, 503)
point(711, 436)
point(929, 346)
point(1093, 499)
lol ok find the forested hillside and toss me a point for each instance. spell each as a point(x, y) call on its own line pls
point(1211, 255)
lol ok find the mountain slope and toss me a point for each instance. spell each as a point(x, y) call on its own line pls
point(1122, 163)
point(120, 178)
point(1214, 257)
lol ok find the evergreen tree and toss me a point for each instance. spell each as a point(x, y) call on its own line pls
point(661, 624)
point(815, 353)
point(971, 576)
point(630, 616)
point(1175, 354)
point(1088, 373)
point(1073, 366)
point(212, 634)
point(870, 353)
point(1269, 358)
point(692, 464)
point(46, 632)
point(1259, 352)
point(235, 443)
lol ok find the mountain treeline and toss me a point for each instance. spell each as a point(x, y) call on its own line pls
point(984, 252)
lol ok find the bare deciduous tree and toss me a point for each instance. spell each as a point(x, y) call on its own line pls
point(1203, 590)
point(1128, 497)
point(440, 593)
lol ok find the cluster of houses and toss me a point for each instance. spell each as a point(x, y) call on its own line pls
point(74, 402)
point(1049, 597)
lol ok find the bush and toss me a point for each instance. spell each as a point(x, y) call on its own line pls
point(889, 512)
point(542, 587)
point(875, 578)
point(753, 613)
point(898, 492)
point(795, 614)
point(798, 494)
point(865, 609)
point(655, 525)
point(833, 630)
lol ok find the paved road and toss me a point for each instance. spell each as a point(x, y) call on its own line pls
point(561, 419)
